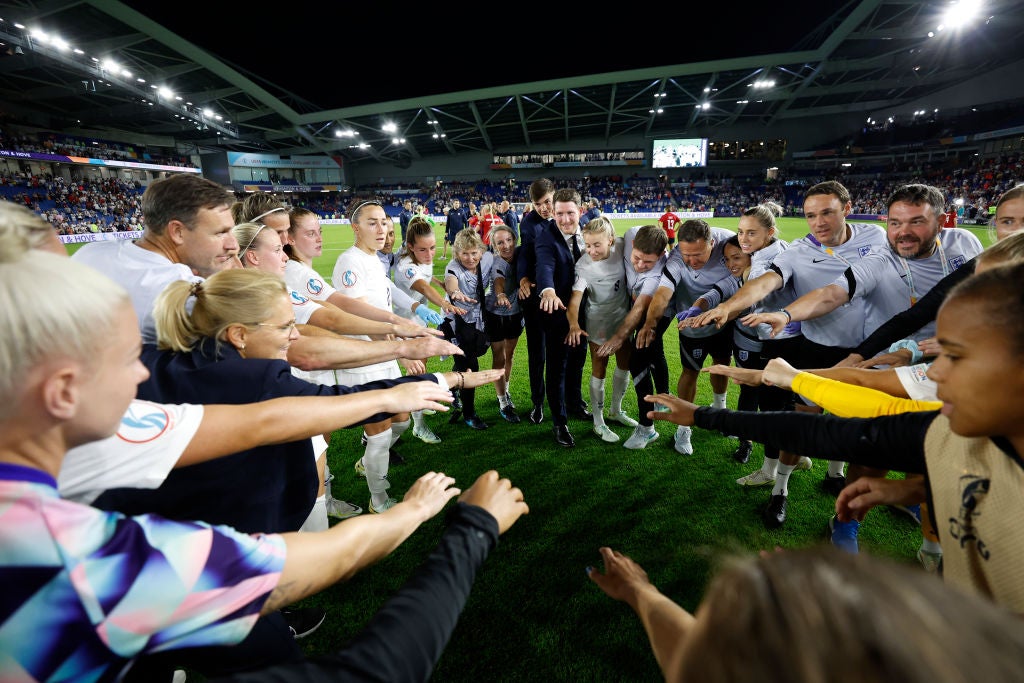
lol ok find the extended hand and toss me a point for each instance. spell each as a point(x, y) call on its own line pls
point(680, 411)
point(622, 579)
point(777, 320)
point(431, 492)
point(549, 302)
point(747, 376)
point(428, 316)
point(498, 497)
point(857, 499)
point(410, 396)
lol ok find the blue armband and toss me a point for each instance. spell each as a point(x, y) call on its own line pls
point(909, 345)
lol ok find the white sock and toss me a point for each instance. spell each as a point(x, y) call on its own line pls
point(597, 400)
point(719, 401)
point(835, 468)
point(397, 429)
point(931, 547)
point(781, 487)
point(503, 400)
point(317, 520)
point(417, 419)
point(375, 460)
point(620, 381)
point(770, 466)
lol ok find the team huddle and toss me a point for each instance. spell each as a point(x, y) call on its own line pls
point(166, 406)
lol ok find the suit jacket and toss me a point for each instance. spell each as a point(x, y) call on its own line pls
point(556, 265)
point(265, 489)
point(529, 228)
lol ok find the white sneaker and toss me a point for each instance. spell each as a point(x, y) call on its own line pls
point(360, 468)
point(623, 419)
point(340, 509)
point(387, 505)
point(640, 438)
point(756, 478)
point(425, 434)
point(683, 441)
point(606, 434)
point(804, 464)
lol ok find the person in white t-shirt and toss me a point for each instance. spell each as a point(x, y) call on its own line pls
point(358, 275)
point(601, 275)
point(414, 275)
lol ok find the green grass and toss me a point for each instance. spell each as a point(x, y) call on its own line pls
point(533, 614)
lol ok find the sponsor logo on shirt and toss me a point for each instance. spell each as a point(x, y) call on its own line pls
point(298, 299)
point(349, 278)
point(143, 422)
point(864, 251)
point(314, 285)
point(409, 272)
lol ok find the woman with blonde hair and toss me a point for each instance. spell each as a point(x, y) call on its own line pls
point(601, 276)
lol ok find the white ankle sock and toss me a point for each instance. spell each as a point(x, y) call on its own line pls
point(417, 419)
point(770, 466)
point(719, 401)
point(317, 520)
point(397, 429)
point(597, 400)
point(835, 468)
point(781, 487)
point(620, 381)
point(375, 460)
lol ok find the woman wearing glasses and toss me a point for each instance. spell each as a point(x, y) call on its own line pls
point(260, 248)
point(225, 340)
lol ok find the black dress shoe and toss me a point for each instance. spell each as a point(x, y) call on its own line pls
point(775, 514)
point(537, 414)
point(581, 412)
point(742, 453)
point(834, 485)
point(563, 437)
point(476, 423)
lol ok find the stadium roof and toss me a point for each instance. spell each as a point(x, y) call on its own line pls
point(862, 57)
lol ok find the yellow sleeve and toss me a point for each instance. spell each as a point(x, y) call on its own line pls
point(849, 400)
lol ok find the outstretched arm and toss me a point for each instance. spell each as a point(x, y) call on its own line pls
point(666, 623)
point(749, 294)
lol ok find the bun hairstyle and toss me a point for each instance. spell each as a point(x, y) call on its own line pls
point(186, 313)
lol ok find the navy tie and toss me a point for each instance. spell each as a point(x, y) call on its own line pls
point(575, 249)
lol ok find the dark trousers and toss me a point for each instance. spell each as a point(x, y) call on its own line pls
point(649, 369)
point(533, 319)
point(564, 367)
point(467, 396)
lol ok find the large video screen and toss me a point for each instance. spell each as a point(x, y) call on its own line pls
point(679, 153)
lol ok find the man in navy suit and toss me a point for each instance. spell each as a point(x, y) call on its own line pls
point(558, 247)
point(534, 222)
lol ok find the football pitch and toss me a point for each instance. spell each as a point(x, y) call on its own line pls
point(533, 615)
